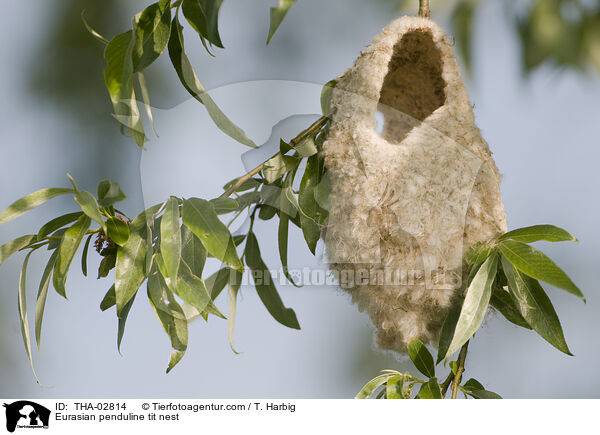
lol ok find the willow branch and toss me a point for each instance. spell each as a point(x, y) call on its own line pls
point(315, 127)
point(444, 386)
point(462, 356)
point(424, 10)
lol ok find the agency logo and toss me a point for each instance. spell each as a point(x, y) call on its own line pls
point(26, 415)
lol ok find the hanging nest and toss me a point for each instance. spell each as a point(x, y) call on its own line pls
point(407, 203)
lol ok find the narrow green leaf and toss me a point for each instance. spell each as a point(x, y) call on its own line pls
point(265, 286)
point(146, 98)
point(152, 28)
point(504, 303)
point(66, 252)
point(41, 298)
point(168, 311)
point(278, 165)
point(278, 13)
point(57, 223)
point(31, 201)
point(535, 306)
point(535, 233)
point(118, 231)
point(235, 280)
point(537, 265)
point(190, 82)
point(284, 221)
point(475, 305)
point(109, 300)
point(170, 238)
point(200, 217)
point(13, 246)
point(203, 16)
point(193, 252)
point(421, 357)
point(393, 387)
point(56, 238)
point(122, 320)
point(131, 263)
point(217, 282)
point(454, 367)
point(224, 205)
point(448, 331)
point(175, 358)
point(191, 288)
point(89, 206)
point(308, 203)
point(306, 148)
point(372, 385)
point(326, 94)
point(483, 394)
point(107, 264)
point(23, 313)
point(118, 78)
point(84, 255)
point(251, 183)
point(430, 390)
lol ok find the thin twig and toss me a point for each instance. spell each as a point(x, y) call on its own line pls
point(316, 126)
point(424, 10)
point(462, 356)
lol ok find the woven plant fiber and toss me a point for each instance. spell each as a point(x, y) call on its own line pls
point(406, 202)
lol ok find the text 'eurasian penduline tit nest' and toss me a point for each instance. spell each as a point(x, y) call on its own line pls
point(407, 203)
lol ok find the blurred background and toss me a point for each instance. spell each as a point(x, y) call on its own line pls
point(533, 79)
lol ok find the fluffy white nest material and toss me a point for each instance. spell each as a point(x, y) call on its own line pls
point(407, 203)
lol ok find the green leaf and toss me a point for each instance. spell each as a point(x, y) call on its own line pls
point(306, 148)
point(170, 239)
point(454, 367)
point(421, 357)
point(224, 205)
point(107, 264)
point(326, 94)
point(372, 385)
point(190, 82)
point(473, 384)
point(66, 252)
point(200, 217)
point(217, 282)
point(131, 263)
point(122, 320)
point(175, 358)
point(535, 306)
point(448, 331)
point(109, 193)
point(475, 305)
point(430, 390)
point(109, 300)
point(235, 280)
point(193, 252)
point(265, 287)
point(31, 201)
point(277, 15)
point(203, 16)
point(118, 231)
point(537, 265)
point(146, 98)
point(477, 253)
point(503, 302)
point(13, 246)
point(89, 206)
point(118, 78)
point(549, 233)
point(41, 298)
point(393, 388)
point(56, 238)
point(84, 255)
point(57, 223)
point(152, 28)
point(474, 389)
point(23, 313)
point(191, 289)
point(277, 166)
point(169, 312)
point(251, 183)
point(308, 203)
point(284, 222)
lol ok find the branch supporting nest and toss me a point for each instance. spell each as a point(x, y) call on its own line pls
point(424, 10)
